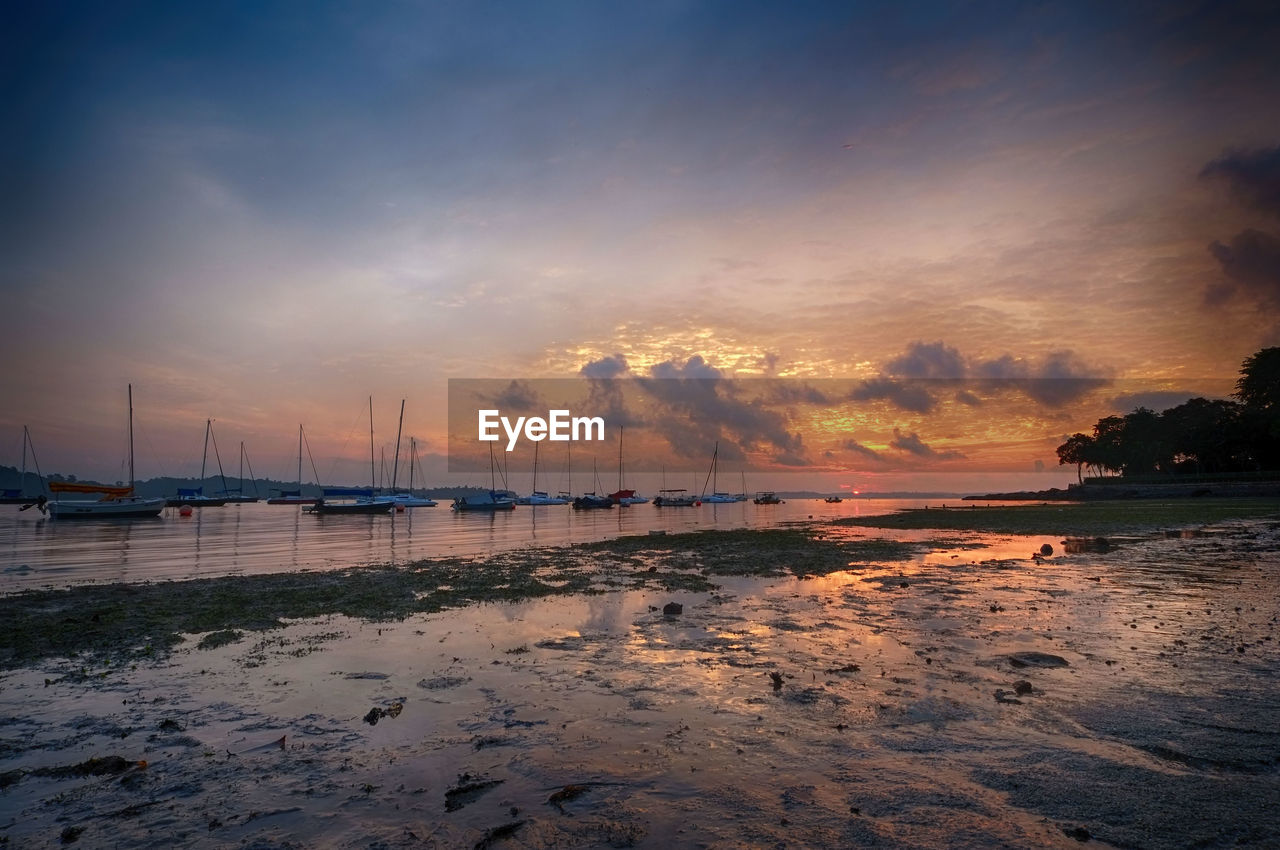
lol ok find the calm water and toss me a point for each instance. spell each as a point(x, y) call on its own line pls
point(261, 538)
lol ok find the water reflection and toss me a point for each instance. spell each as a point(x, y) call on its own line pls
point(257, 538)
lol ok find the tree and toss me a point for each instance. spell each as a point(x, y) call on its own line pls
point(1258, 387)
point(1080, 450)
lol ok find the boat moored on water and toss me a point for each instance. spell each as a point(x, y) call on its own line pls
point(351, 500)
point(674, 499)
point(195, 497)
point(767, 498)
point(627, 497)
point(119, 502)
point(494, 500)
point(831, 500)
point(541, 497)
point(291, 497)
point(116, 503)
point(590, 501)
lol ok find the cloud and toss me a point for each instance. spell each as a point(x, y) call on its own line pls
point(863, 451)
point(1158, 400)
point(518, 396)
point(788, 391)
point(1252, 261)
point(1253, 177)
point(927, 360)
point(694, 369)
point(605, 368)
point(697, 392)
point(1060, 378)
point(912, 397)
point(913, 445)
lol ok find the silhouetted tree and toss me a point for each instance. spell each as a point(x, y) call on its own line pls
point(1199, 435)
point(1078, 449)
point(1259, 385)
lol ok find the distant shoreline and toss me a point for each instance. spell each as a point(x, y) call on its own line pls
point(1145, 490)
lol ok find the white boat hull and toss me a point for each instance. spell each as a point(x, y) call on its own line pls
point(113, 509)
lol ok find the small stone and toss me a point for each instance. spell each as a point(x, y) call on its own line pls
point(1046, 550)
point(672, 609)
point(1021, 687)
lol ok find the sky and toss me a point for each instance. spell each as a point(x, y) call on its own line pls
point(265, 213)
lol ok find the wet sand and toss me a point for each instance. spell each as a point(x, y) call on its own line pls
point(962, 695)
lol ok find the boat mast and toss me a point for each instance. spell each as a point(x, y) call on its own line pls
point(413, 455)
point(493, 484)
point(131, 436)
point(299, 458)
point(373, 472)
point(208, 426)
point(395, 468)
point(619, 458)
point(535, 467)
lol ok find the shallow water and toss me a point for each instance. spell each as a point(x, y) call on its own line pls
point(1152, 717)
point(258, 538)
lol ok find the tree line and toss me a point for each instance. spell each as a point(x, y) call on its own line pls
point(1240, 434)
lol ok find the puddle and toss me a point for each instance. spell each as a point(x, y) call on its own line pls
point(969, 697)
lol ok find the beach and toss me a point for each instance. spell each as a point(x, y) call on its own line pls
point(923, 680)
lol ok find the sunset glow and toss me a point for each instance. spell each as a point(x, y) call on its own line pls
point(265, 216)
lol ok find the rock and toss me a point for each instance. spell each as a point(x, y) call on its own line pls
point(1004, 696)
point(1036, 659)
point(777, 680)
point(1079, 833)
point(1046, 550)
point(672, 609)
point(1022, 687)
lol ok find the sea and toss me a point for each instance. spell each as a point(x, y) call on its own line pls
point(255, 538)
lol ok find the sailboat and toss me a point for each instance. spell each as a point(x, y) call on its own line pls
point(237, 496)
point(716, 497)
point(295, 497)
point(355, 500)
point(194, 496)
point(116, 502)
point(13, 495)
point(406, 500)
point(591, 501)
point(539, 497)
point(494, 500)
point(624, 497)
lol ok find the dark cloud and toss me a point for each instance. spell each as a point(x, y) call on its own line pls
point(912, 379)
point(795, 392)
point(913, 445)
point(693, 369)
point(1252, 176)
point(1154, 400)
point(1061, 378)
point(698, 393)
point(606, 397)
point(927, 360)
point(1252, 261)
point(518, 397)
point(863, 451)
point(910, 396)
point(605, 367)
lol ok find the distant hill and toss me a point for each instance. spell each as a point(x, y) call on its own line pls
point(11, 477)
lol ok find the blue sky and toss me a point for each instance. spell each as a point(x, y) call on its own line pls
point(266, 212)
